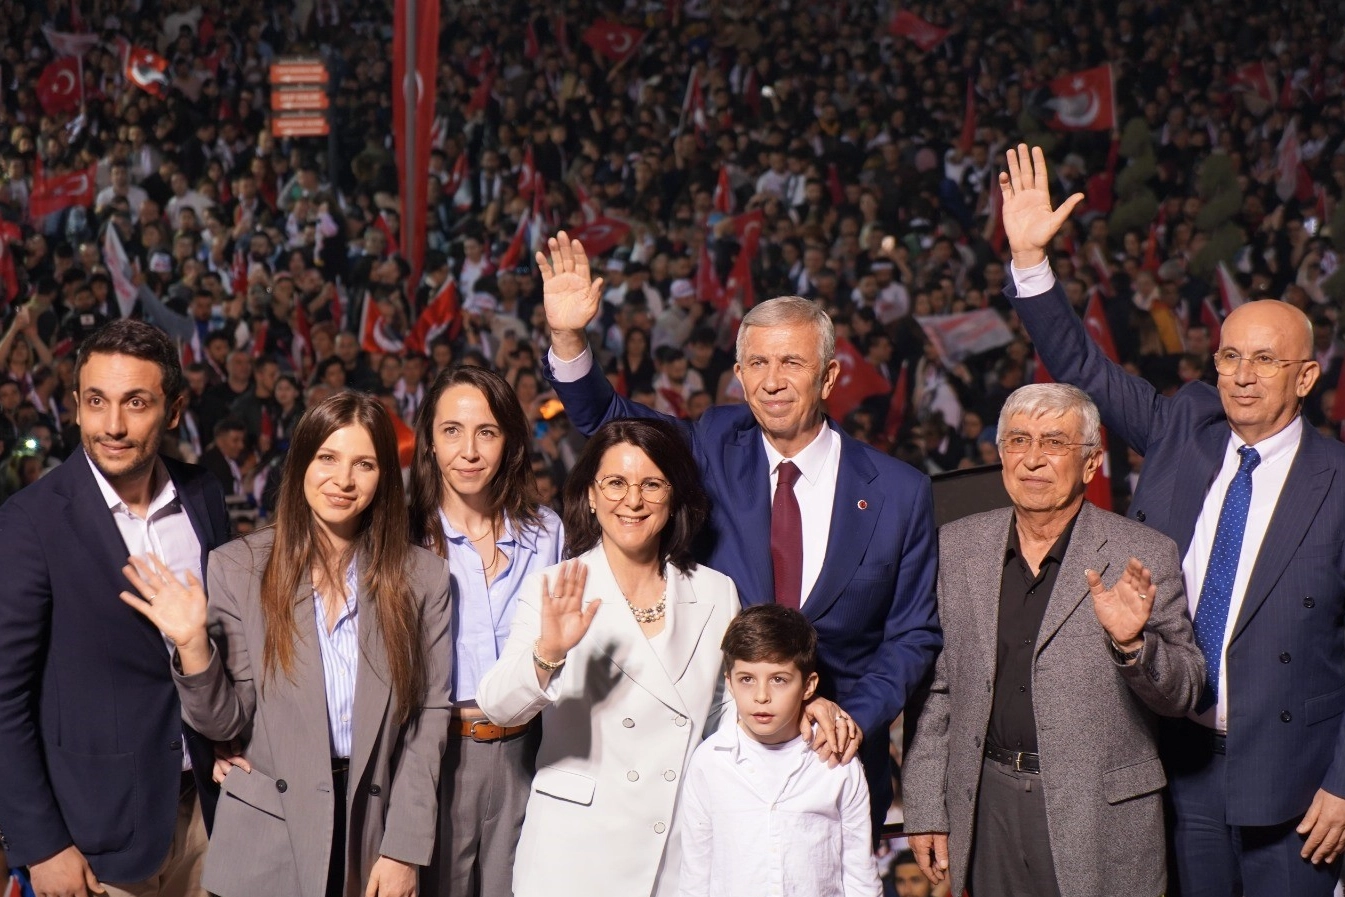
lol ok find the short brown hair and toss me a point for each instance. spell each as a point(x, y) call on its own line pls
point(772, 633)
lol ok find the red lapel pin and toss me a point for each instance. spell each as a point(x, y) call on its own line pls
point(863, 505)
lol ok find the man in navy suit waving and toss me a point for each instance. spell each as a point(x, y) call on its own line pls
point(99, 778)
point(1255, 500)
point(803, 514)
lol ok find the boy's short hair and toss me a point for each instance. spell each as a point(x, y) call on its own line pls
point(773, 633)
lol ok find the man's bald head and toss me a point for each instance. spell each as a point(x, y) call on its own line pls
point(1266, 368)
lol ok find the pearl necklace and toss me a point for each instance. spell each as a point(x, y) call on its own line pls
point(650, 614)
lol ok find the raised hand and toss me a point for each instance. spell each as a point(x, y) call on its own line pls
point(1029, 222)
point(176, 609)
point(1124, 608)
point(565, 619)
point(570, 297)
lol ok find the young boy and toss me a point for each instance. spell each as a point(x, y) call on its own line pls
point(759, 812)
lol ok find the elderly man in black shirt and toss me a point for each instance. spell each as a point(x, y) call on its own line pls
point(1033, 767)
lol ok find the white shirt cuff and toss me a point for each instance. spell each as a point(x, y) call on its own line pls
point(1033, 281)
point(572, 370)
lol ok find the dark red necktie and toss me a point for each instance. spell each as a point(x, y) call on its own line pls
point(787, 538)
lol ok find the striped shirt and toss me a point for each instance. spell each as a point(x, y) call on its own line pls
point(340, 650)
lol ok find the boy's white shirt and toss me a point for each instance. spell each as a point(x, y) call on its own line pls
point(806, 836)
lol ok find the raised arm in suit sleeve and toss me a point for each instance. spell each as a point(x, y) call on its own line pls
point(924, 766)
point(911, 635)
point(589, 399)
point(1129, 405)
point(509, 694)
point(409, 829)
point(219, 702)
point(29, 815)
point(1170, 672)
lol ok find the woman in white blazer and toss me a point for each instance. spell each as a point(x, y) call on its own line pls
point(618, 650)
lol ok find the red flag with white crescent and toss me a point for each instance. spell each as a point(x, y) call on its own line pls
point(146, 70)
point(1095, 321)
point(1083, 101)
point(515, 250)
point(52, 194)
point(747, 228)
point(708, 287)
point(440, 316)
point(857, 380)
point(374, 335)
point(413, 110)
point(723, 198)
point(613, 40)
point(58, 86)
point(601, 235)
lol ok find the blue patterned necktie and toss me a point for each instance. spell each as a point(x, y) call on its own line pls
point(1216, 592)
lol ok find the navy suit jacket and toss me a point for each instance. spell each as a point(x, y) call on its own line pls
point(873, 604)
point(91, 732)
point(1286, 660)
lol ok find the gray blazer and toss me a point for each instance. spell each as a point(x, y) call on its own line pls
point(273, 828)
point(1095, 718)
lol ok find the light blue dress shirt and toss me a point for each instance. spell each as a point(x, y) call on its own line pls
point(340, 651)
point(484, 613)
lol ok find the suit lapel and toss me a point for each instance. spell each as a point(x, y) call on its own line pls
point(851, 527)
point(1200, 464)
point(372, 688)
point(689, 617)
point(189, 493)
point(308, 682)
point(1304, 489)
point(616, 634)
point(1071, 587)
point(983, 563)
point(749, 488)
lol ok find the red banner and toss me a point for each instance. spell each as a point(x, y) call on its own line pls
point(412, 116)
point(58, 87)
point(52, 194)
point(923, 34)
point(1083, 101)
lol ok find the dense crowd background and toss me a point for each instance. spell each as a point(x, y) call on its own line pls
point(268, 258)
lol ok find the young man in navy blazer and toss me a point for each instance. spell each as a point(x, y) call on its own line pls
point(1254, 497)
point(99, 783)
point(849, 538)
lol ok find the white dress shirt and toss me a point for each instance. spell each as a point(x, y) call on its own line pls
point(340, 652)
point(819, 465)
point(1277, 456)
point(165, 532)
point(773, 821)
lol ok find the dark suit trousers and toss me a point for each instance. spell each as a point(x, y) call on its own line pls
point(1214, 859)
point(1010, 848)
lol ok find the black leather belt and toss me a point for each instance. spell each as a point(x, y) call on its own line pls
point(1021, 761)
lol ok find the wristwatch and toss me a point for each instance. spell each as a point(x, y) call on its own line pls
point(1125, 658)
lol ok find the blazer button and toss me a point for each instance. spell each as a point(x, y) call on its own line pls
point(660, 828)
point(1139, 515)
point(1285, 658)
point(1309, 603)
point(632, 776)
point(281, 786)
point(375, 790)
point(1286, 716)
point(628, 723)
point(681, 721)
point(669, 775)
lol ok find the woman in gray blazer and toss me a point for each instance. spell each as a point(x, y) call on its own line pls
point(618, 652)
point(324, 649)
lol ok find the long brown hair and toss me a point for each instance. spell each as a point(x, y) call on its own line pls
point(382, 547)
point(513, 490)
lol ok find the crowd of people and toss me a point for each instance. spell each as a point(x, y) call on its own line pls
point(736, 152)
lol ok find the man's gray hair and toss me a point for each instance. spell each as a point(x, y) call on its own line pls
point(785, 310)
point(1053, 400)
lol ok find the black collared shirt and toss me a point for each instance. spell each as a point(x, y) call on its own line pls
point(1022, 605)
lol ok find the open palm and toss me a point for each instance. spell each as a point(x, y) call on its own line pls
point(564, 617)
point(570, 297)
point(1125, 607)
point(1029, 222)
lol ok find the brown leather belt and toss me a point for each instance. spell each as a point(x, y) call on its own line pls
point(484, 731)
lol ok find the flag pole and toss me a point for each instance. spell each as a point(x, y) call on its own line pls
point(411, 102)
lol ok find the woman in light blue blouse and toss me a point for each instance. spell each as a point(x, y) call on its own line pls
point(474, 502)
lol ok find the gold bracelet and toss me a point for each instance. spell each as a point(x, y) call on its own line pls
point(547, 665)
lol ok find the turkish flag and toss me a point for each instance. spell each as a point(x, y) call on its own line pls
point(515, 250)
point(747, 228)
point(480, 97)
point(601, 235)
point(51, 194)
point(1254, 79)
point(1083, 101)
point(440, 316)
point(1095, 321)
point(616, 42)
point(145, 69)
point(896, 409)
point(723, 198)
point(527, 175)
point(374, 335)
point(857, 381)
point(412, 118)
point(708, 287)
point(923, 34)
point(58, 87)
point(1209, 316)
point(739, 284)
